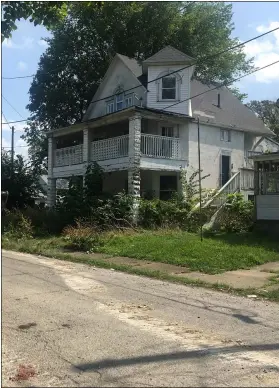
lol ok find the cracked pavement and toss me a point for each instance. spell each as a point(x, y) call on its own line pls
point(76, 326)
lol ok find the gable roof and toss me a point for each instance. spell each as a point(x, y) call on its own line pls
point(232, 113)
point(168, 54)
point(132, 64)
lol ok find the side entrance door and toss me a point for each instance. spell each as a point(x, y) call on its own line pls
point(225, 169)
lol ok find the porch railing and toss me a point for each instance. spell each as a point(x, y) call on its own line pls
point(115, 147)
point(250, 154)
point(160, 146)
point(68, 156)
point(246, 179)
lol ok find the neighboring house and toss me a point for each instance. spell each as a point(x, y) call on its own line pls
point(267, 186)
point(141, 127)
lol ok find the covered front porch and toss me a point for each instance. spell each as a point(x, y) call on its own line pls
point(267, 186)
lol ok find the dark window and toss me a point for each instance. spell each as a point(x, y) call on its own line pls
point(168, 186)
point(168, 88)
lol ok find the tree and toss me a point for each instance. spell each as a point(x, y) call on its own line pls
point(48, 13)
point(20, 182)
point(268, 111)
point(83, 46)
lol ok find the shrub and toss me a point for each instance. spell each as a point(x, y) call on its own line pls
point(83, 237)
point(237, 215)
point(16, 225)
point(157, 213)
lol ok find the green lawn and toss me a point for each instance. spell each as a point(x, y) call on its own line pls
point(212, 255)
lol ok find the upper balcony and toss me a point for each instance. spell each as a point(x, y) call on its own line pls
point(152, 146)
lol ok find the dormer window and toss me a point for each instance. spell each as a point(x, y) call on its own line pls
point(169, 88)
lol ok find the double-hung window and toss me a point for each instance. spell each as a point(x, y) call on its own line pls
point(225, 135)
point(110, 106)
point(128, 101)
point(169, 88)
point(119, 101)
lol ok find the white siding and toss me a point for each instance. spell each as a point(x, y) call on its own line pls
point(267, 207)
point(211, 150)
point(152, 95)
point(267, 145)
point(119, 75)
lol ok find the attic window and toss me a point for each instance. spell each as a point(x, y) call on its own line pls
point(119, 101)
point(169, 88)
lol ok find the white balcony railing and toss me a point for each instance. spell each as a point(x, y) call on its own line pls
point(160, 146)
point(115, 147)
point(68, 156)
point(250, 154)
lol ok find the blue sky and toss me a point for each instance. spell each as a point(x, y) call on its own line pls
point(21, 54)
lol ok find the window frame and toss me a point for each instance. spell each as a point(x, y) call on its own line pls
point(121, 95)
point(223, 137)
point(128, 97)
point(110, 103)
point(175, 88)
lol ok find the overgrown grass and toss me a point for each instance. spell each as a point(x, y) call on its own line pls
point(215, 254)
point(56, 247)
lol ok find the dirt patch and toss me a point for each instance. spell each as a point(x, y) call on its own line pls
point(24, 373)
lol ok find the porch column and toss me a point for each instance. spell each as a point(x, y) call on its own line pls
point(51, 187)
point(134, 160)
point(51, 192)
point(86, 145)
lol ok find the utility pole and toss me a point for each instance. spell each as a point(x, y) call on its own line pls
point(200, 188)
point(12, 150)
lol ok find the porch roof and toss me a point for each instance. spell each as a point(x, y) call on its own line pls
point(265, 157)
point(152, 114)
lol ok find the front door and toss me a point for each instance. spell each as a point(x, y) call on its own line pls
point(225, 169)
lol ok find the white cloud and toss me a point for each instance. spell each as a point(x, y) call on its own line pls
point(255, 47)
point(271, 26)
point(42, 43)
point(265, 50)
point(270, 73)
point(22, 66)
point(27, 43)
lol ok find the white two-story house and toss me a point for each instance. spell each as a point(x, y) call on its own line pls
point(141, 127)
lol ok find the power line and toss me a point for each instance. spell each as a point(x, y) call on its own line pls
point(186, 67)
point(6, 120)
point(197, 95)
point(33, 75)
point(224, 84)
point(176, 71)
point(17, 147)
point(11, 106)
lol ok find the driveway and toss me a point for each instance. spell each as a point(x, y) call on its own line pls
point(67, 324)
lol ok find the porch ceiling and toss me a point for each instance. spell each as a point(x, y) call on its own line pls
point(148, 113)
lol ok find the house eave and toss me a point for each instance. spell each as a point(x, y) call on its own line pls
point(148, 113)
point(257, 132)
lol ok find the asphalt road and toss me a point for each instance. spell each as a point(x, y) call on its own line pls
point(67, 324)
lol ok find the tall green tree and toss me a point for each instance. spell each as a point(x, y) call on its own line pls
point(83, 46)
point(268, 111)
point(19, 179)
point(47, 13)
